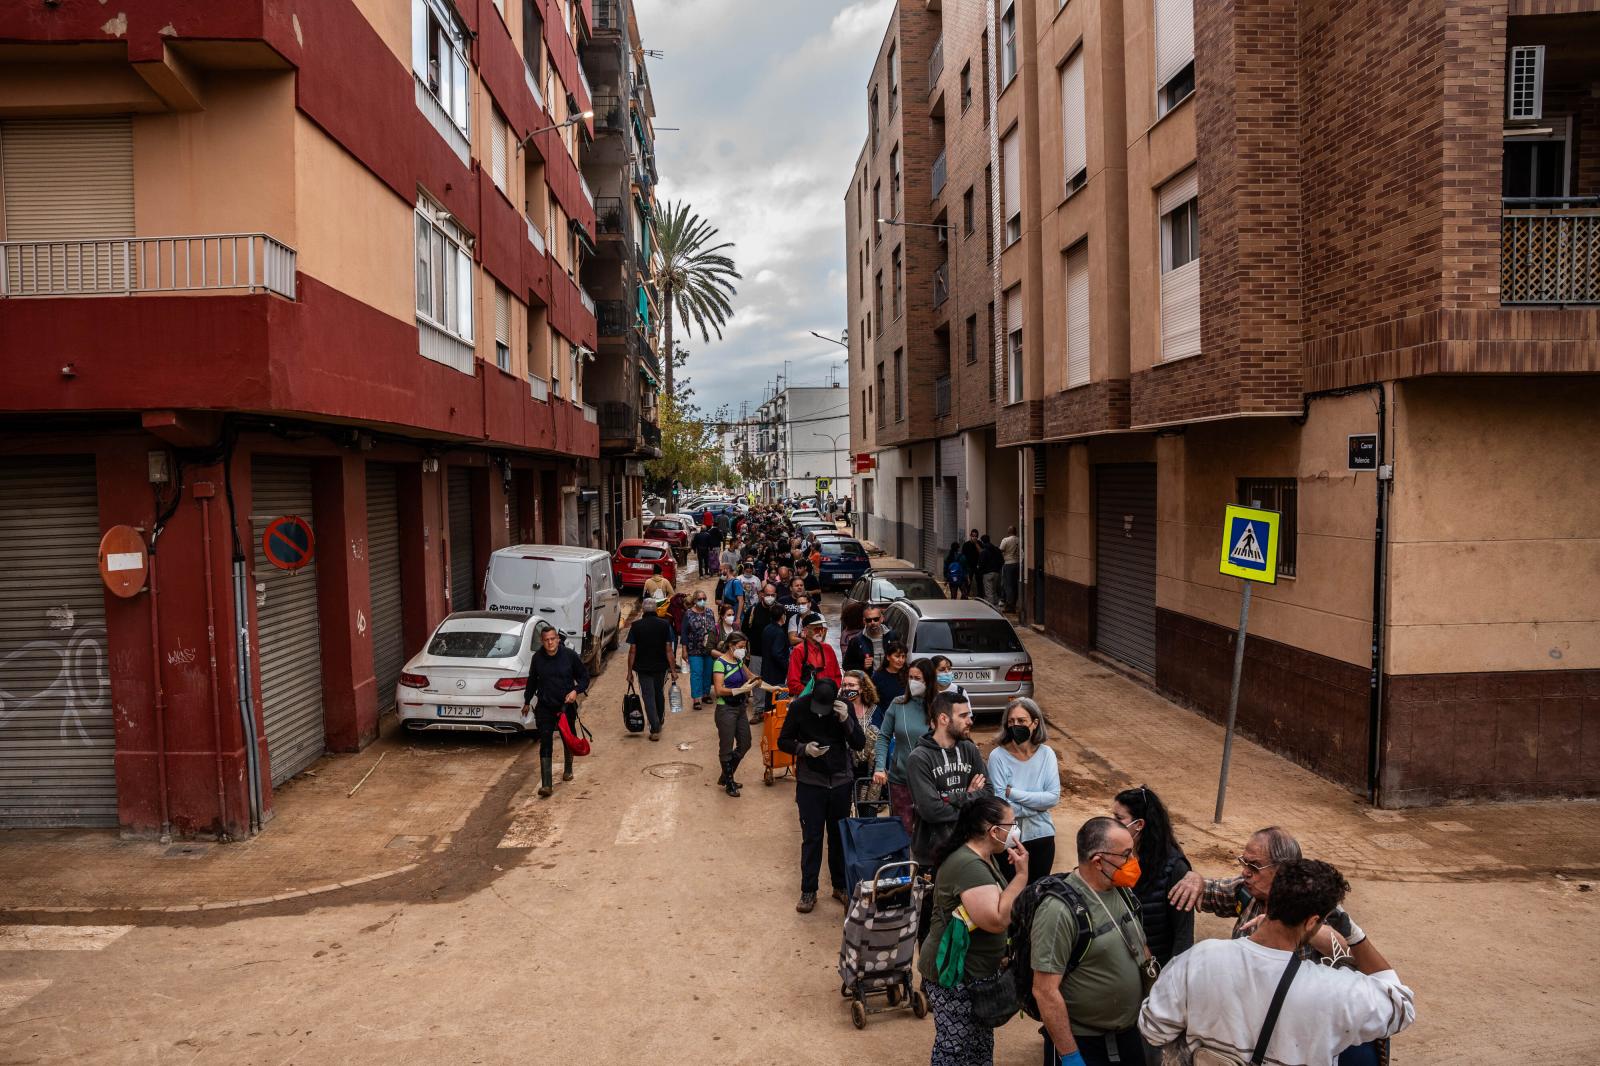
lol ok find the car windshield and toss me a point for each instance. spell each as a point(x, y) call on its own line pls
point(969, 636)
point(842, 549)
point(475, 644)
point(909, 588)
point(640, 551)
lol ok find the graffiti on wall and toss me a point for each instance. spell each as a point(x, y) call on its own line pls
point(58, 683)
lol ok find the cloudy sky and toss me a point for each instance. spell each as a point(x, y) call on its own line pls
point(771, 98)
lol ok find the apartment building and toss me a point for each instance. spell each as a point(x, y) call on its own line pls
point(1309, 254)
point(263, 263)
point(802, 435)
point(619, 165)
point(923, 386)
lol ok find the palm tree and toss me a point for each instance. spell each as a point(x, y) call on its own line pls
point(696, 276)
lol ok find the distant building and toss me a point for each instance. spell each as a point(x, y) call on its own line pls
point(803, 435)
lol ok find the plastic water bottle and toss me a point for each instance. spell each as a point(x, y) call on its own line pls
point(674, 699)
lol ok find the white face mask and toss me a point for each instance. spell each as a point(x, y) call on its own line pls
point(916, 688)
point(727, 619)
point(738, 653)
point(1013, 837)
point(769, 600)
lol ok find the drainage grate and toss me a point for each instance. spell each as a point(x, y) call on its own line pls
point(672, 770)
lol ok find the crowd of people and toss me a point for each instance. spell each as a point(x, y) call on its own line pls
point(1102, 953)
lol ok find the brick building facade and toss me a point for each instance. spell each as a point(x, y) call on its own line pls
point(1246, 233)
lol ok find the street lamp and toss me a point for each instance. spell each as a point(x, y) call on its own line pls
point(940, 226)
point(844, 342)
point(571, 121)
point(833, 439)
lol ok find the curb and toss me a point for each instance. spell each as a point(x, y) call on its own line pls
point(219, 905)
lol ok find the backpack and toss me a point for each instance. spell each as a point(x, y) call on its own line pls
point(1019, 935)
point(953, 570)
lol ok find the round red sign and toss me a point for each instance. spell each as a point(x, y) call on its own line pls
point(288, 542)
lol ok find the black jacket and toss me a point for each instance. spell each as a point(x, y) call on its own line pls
point(1167, 930)
point(938, 778)
point(775, 653)
point(551, 677)
point(860, 646)
point(835, 766)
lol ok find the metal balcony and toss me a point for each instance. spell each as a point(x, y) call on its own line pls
point(608, 15)
point(585, 299)
point(935, 65)
point(618, 420)
point(253, 262)
point(1550, 250)
point(588, 193)
point(614, 317)
point(941, 283)
point(610, 113)
point(938, 175)
point(650, 433)
point(610, 216)
point(941, 396)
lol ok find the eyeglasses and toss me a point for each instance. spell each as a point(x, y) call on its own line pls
point(1253, 867)
point(1122, 856)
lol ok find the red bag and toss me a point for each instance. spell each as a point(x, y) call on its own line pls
point(577, 742)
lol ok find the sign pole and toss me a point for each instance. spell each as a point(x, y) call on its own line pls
point(1233, 697)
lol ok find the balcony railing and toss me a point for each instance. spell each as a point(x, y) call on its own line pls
point(610, 216)
point(253, 262)
point(610, 112)
point(538, 388)
point(430, 106)
point(536, 237)
point(935, 65)
point(607, 15)
point(585, 299)
point(941, 396)
point(617, 420)
point(614, 317)
point(533, 88)
point(588, 193)
point(938, 175)
point(590, 415)
point(941, 283)
point(583, 79)
point(650, 432)
point(1550, 250)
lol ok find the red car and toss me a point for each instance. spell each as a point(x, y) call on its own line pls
point(675, 531)
point(638, 559)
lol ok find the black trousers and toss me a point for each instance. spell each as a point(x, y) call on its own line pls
point(652, 688)
point(1125, 1049)
point(547, 718)
point(820, 810)
point(733, 735)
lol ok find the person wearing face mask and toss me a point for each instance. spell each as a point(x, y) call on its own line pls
point(1162, 864)
point(857, 690)
point(1088, 997)
point(699, 642)
point(1219, 993)
point(945, 676)
point(1023, 772)
point(732, 681)
point(905, 723)
point(944, 772)
point(820, 731)
point(866, 651)
point(970, 911)
point(889, 679)
point(812, 657)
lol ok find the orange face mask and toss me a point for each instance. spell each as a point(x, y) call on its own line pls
point(1126, 875)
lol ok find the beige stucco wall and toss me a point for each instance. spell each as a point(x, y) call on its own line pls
point(1327, 607)
point(224, 169)
point(1495, 557)
point(355, 234)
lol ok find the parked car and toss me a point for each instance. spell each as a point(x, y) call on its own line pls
point(569, 588)
point(984, 650)
point(800, 514)
point(880, 587)
point(469, 676)
point(813, 525)
point(638, 559)
point(841, 562)
point(675, 530)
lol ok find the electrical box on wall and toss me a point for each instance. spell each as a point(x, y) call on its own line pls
point(160, 471)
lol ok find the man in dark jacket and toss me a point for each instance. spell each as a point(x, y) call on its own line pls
point(865, 650)
point(820, 732)
point(774, 645)
point(990, 563)
point(971, 554)
point(944, 773)
point(556, 678)
point(701, 543)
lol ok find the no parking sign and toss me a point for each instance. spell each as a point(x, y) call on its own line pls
point(288, 542)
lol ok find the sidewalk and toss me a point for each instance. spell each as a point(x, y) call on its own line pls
point(320, 839)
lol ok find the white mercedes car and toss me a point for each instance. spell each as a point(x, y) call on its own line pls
point(470, 676)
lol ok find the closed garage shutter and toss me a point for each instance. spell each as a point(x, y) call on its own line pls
point(463, 589)
point(929, 535)
point(383, 573)
point(288, 637)
point(1125, 563)
point(57, 738)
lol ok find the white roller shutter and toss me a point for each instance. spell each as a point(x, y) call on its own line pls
point(1073, 136)
point(1011, 174)
point(1078, 315)
point(57, 733)
point(932, 554)
point(497, 149)
point(1180, 286)
point(463, 587)
point(288, 634)
point(1174, 38)
point(67, 178)
point(386, 622)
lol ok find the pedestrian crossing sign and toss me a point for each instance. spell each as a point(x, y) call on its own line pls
point(1250, 544)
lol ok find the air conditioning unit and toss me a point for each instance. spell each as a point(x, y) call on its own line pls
point(943, 233)
point(1525, 83)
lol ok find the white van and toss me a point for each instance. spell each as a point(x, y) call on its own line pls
point(570, 588)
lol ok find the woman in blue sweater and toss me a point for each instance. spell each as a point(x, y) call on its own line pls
point(903, 725)
point(1023, 771)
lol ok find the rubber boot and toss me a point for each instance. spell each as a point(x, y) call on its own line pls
point(545, 787)
point(723, 780)
point(733, 766)
point(566, 766)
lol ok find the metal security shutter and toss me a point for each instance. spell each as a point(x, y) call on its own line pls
point(1125, 563)
point(288, 635)
point(904, 488)
point(463, 589)
point(386, 623)
point(1078, 315)
point(70, 177)
point(931, 555)
point(57, 735)
point(1180, 286)
point(513, 514)
point(1075, 152)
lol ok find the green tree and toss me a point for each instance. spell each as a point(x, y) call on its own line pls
point(696, 276)
point(752, 471)
point(686, 450)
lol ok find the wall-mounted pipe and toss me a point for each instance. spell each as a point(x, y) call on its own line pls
point(160, 696)
point(204, 491)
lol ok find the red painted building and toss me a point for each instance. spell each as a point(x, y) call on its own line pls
point(262, 261)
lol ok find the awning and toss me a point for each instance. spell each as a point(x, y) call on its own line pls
point(644, 372)
point(582, 235)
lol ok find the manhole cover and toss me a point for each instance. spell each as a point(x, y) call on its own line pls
point(671, 770)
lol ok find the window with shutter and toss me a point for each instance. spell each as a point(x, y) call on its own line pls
point(1008, 45)
point(1525, 83)
point(1011, 177)
point(1077, 275)
point(1174, 38)
point(502, 328)
point(1014, 345)
point(67, 177)
point(1073, 136)
point(497, 149)
point(1180, 266)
